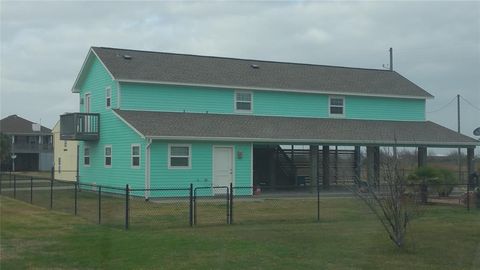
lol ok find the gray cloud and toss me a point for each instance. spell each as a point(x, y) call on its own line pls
point(436, 44)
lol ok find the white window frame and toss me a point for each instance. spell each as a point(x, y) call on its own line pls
point(170, 156)
point(105, 156)
point(336, 106)
point(235, 101)
point(108, 97)
point(132, 155)
point(89, 156)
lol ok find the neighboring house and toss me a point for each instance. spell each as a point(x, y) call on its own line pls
point(31, 144)
point(151, 119)
point(65, 156)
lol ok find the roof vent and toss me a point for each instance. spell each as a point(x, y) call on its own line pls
point(127, 57)
point(254, 66)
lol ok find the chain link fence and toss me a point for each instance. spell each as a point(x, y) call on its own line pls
point(157, 208)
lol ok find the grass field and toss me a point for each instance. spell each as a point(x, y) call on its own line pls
point(348, 237)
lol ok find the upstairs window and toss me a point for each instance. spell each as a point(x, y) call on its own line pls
point(337, 106)
point(179, 156)
point(135, 156)
point(86, 156)
point(108, 156)
point(243, 101)
point(108, 97)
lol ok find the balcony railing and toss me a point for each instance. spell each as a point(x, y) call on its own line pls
point(80, 126)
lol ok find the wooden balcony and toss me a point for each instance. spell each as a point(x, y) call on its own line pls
point(80, 126)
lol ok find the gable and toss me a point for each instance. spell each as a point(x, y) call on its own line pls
point(86, 68)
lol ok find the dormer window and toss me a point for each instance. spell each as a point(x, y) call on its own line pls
point(243, 102)
point(337, 106)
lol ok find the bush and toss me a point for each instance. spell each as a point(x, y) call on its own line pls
point(439, 180)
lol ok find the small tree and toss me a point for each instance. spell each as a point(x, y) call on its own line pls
point(389, 201)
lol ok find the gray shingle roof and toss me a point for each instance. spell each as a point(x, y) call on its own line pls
point(219, 71)
point(197, 126)
point(15, 124)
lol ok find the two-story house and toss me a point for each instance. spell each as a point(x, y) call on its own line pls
point(152, 119)
point(31, 144)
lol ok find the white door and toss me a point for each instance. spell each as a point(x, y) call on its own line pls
point(222, 167)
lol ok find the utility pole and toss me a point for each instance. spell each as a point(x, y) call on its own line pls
point(459, 149)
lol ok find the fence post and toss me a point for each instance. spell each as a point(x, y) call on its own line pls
point(51, 193)
point(231, 203)
point(75, 198)
point(194, 207)
point(99, 204)
point(318, 199)
point(127, 198)
point(31, 190)
point(14, 186)
point(191, 205)
point(228, 205)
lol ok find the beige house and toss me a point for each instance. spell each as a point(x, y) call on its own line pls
point(65, 156)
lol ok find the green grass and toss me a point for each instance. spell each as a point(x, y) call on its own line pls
point(348, 237)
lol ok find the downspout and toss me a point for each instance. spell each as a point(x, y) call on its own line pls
point(147, 168)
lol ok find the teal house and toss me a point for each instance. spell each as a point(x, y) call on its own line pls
point(164, 120)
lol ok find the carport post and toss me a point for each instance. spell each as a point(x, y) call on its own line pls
point(318, 200)
point(326, 166)
point(99, 204)
point(470, 171)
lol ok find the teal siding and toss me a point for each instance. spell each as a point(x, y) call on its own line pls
point(376, 108)
point(200, 174)
point(154, 97)
point(170, 98)
point(112, 132)
point(290, 104)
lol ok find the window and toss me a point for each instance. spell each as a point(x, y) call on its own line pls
point(135, 156)
point(108, 97)
point(337, 106)
point(179, 156)
point(243, 101)
point(86, 156)
point(59, 165)
point(108, 156)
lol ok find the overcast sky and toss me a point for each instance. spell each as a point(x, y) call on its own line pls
point(436, 44)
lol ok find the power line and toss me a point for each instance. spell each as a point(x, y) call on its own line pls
point(473, 106)
point(444, 106)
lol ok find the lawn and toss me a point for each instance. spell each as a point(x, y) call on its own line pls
point(348, 237)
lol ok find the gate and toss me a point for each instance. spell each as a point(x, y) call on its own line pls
point(212, 205)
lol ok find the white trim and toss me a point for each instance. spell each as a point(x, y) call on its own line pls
point(318, 141)
point(89, 156)
point(74, 87)
point(105, 156)
point(132, 156)
point(275, 89)
point(233, 160)
point(170, 145)
point(235, 102)
point(147, 168)
point(336, 115)
point(128, 124)
point(108, 89)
